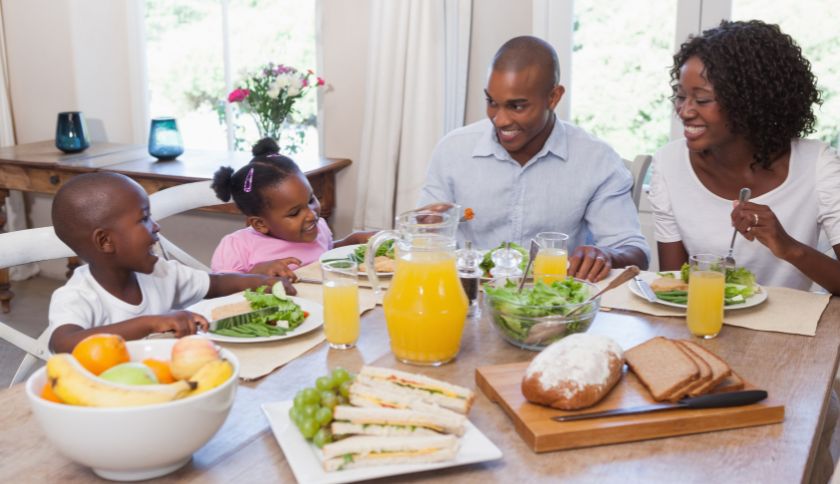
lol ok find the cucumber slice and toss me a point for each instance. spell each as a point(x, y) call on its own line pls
point(278, 291)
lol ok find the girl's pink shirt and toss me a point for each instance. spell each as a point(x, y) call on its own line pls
point(245, 248)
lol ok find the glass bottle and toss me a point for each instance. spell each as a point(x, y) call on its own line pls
point(506, 266)
point(467, 262)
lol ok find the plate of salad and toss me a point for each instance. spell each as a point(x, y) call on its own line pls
point(671, 288)
point(294, 317)
point(384, 257)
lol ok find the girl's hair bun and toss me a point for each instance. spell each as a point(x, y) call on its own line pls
point(265, 146)
point(222, 183)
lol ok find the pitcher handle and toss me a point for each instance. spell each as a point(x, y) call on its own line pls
point(372, 246)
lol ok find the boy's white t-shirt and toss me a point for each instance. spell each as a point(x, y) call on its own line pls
point(84, 302)
point(805, 203)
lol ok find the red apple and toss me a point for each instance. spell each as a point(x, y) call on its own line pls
point(189, 354)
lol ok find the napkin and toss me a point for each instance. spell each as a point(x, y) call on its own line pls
point(785, 310)
point(259, 359)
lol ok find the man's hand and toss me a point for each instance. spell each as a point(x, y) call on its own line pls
point(278, 268)
point(590, 263)
point(182, 323)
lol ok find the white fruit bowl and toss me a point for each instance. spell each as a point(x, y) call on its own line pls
point(135, 443)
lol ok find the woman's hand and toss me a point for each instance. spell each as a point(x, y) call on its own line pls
point(277, 268)
point(756, 221)
point(590, 263)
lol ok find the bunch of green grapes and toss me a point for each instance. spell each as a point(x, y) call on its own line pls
point(313, 408)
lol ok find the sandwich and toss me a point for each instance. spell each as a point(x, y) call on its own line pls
point(395, 422)
point(364, 450)
point(399, 389)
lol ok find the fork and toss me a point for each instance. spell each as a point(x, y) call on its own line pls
point(729, 261)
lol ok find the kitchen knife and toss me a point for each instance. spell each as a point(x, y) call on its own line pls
point(241, 319)
point(645, 289)
point(715, 400)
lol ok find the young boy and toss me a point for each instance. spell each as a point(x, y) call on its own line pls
point(124, 288)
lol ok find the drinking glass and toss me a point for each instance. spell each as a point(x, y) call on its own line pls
point(552, 258)
point(704, 315)
point(341, 303)
point(71, 134)
point(165, 140)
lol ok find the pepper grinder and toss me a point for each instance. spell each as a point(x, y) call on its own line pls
point(467, 263)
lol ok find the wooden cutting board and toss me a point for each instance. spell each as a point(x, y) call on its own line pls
point(501, 384)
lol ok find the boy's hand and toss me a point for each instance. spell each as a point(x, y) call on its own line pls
point(182, 323)
point(278, 267)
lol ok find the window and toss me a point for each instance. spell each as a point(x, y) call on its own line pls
point(185, 50)
point(816, 33)
point(621, 55)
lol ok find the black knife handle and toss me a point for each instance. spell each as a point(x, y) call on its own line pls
point(726, 399)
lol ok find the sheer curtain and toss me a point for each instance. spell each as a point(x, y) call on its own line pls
point(416, 91)
point(15, 208)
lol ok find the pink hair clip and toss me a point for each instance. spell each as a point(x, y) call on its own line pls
point(249, 181)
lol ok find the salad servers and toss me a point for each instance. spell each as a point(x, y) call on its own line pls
point(532, 254)
point(729, 261)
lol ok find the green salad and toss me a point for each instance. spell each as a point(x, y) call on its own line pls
point(288, 316)
point(739, 285)
point(487, 263)
point(386, 249)
point(515, 312)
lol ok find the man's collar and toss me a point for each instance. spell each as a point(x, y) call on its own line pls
point(556, 144)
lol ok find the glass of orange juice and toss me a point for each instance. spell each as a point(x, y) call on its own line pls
point(706, 279)
point(552, 258)
point(341, 303)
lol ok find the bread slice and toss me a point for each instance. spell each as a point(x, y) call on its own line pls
point(661, 366)
point(668, 284)
point(732, 383)
point(720, 369)
point(229, 310)
point(704, 378)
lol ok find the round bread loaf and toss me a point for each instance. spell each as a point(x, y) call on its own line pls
point(575, 372)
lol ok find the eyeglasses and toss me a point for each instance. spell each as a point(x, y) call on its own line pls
point(691, 102)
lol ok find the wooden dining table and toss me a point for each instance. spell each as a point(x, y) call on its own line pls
point(795, 370)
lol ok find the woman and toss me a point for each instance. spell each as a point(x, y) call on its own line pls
point(745, 95)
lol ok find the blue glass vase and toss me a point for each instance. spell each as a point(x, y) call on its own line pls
point(71, 135)
point(165, 140)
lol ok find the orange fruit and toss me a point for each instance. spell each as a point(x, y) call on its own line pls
point(98, 352)
point(47, 394)
point(161, 369)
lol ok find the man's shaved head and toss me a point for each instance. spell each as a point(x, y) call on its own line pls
point(520, 53)
point(88, 202)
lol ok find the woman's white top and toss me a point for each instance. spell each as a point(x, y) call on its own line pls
point(684, 210)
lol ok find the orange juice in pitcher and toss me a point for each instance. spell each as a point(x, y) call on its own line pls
point(425, 306)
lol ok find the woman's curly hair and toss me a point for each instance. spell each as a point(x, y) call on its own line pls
point(761, 80)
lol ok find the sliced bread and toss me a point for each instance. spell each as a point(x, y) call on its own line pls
point(720, 369)
point(731, 383)
point(704, 377)
point(647, 361)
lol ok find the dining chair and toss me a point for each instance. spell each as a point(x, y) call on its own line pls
point(41, 244)
point(638, 169)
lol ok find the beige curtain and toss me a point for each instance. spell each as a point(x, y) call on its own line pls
point(406, 101)
point(15, 208)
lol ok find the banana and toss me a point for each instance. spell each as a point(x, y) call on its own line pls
point(75, 385)
point(211, 375)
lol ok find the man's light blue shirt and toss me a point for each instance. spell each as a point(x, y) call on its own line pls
point(576, 184)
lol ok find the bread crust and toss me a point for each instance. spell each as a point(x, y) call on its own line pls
point(569, 395)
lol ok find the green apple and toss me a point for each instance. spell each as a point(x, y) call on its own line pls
point(131, 373)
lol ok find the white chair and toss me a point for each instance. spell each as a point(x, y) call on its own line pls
point(23, 247)
point(638, 168)
point(36, 245)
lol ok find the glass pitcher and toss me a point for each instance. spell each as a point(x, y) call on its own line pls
point(425, 306)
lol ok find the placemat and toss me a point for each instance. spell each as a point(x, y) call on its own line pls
point(785, 311)
point(259, 359)
point(312, 272)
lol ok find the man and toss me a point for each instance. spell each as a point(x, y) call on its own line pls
point(524, 171)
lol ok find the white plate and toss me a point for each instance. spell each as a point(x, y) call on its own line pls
point(759, 297)
point(305, 458)
point(344, 253)
point(313, 321)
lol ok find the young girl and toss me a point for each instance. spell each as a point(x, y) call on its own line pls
point(285, 227)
